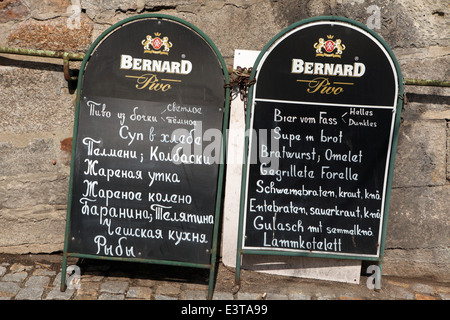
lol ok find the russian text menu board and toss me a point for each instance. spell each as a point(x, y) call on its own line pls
point(148, 145)
point(322, 115)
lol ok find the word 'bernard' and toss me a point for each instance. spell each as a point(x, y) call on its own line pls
point(181, 67)
point(328, 69)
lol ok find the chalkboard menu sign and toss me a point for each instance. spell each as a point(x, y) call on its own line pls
point(322, 123)
point(147, 159)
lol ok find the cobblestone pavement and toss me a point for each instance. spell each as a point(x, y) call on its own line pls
point(37, 277)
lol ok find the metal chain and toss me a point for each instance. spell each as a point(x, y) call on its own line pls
point(241, 77)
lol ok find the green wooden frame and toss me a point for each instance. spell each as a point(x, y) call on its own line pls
point(212, 265)
point(240, 250)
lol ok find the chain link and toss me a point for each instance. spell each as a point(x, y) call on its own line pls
point(240, 77)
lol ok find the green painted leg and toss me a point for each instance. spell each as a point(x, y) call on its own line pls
point(63, 286)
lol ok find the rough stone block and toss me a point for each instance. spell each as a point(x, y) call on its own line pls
point(250, 29)
point(195, 295)
point(48, 9)
point(56, 294)
point(109, 296)
point(34, 98)
point(36, 157)
point(15, 277)
point(448, 150)
point(401, 23)
point(114, 286)
point(2, 271)
point(37, 281)
point(29, 193)
point(38, 229)
point(418, 218)
point(424, 63)
point(8, 289)
point(59, 34)
point(247, 296)
point(431, 263)
point(29, 293)
point(11, 10)
point(418, 233)
point(421, 154)
point(222, 296)
point(139, 293)
point(88, 288)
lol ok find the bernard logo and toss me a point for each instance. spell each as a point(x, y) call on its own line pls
point(332, 48)
point(156, 45)
point(156, 74)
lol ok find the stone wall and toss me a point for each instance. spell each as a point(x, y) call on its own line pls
point(37, 105)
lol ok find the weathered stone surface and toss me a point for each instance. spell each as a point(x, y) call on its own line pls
point(33, 196)
point(418, 218)
point(48, 9)
point(32, 229)
point(430, 25)
point(425, 63)
point(30, 293)
point(415, 263)
point(421, 154)
point(448, 150)
point(32, 191)
point(35, 157)
point(401, 23)
point(56, 294)
point(11, 10)
point(2, 271)
point(143, 293)
point(8, 289)
point(37, 281)
point(114, 287)
point(104, 11)
point(59, 34)
point(34, 96)
point(109, 296)
point(15, 277)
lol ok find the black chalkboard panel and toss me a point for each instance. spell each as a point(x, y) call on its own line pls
point(147, 147)
point(314, 185)
point(322, 117)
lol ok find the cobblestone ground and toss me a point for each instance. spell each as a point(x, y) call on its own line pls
point(38, 277)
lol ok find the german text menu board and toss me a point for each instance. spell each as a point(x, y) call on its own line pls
point(321, 126)
point(148, 145)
